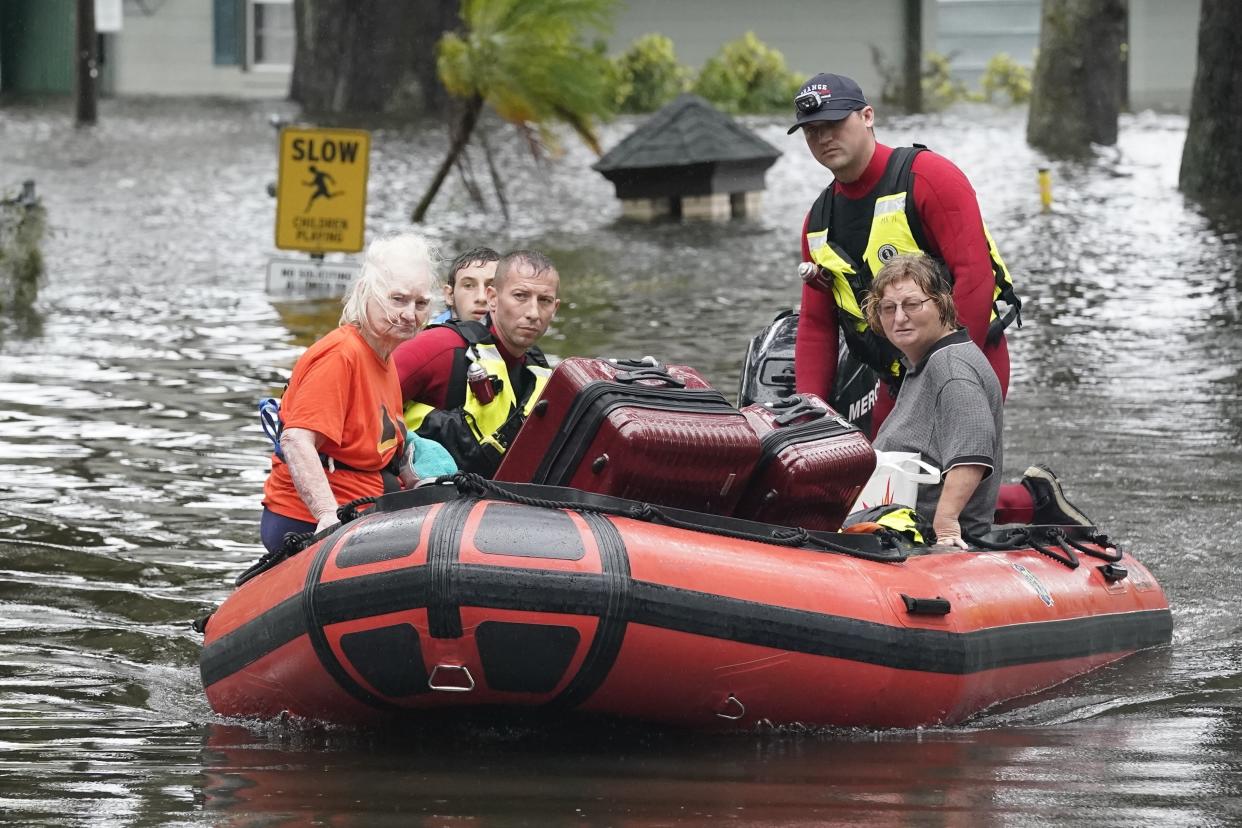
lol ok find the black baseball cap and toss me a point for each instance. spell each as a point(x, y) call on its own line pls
point(826, 97)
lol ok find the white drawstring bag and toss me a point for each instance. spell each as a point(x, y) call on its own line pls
point(896, 479)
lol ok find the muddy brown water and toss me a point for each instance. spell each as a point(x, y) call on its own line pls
point(131, 464)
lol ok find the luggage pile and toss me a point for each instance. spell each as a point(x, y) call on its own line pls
point(662, 434)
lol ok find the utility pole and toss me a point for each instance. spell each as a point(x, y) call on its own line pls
point(912, 69)
point(86, 87)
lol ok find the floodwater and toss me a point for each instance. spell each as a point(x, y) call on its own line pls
point(131, 464)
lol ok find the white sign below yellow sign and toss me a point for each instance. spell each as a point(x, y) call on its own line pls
point(297, 277)
point(321, 194)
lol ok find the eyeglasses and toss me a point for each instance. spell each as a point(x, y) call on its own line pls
point(909, 306)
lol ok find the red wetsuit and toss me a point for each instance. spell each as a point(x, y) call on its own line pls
point(425, 364)
point(953, 228)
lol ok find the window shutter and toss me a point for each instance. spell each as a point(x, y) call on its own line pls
point(226, 18)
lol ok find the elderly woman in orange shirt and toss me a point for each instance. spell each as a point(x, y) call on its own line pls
point(343, 436)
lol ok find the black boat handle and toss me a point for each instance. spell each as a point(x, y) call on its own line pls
point(657, 374)
point(792, 409)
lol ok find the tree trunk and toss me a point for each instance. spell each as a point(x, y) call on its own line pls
point(369, 56)
point(465, 128)
point(497, 180)
point(1212, 158)
point(1076, 91)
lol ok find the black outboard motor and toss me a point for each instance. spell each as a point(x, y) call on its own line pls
point(768, 373)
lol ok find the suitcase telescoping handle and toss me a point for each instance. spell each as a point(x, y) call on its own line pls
point(647, 368)
point(791, 409)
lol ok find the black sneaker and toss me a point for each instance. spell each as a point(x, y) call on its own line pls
point(1051, 506)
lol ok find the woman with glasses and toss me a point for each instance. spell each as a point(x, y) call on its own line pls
point(342, 435)
point(949, 408)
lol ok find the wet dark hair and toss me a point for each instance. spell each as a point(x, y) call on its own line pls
point(536, 260)
point(926, 273)
point(473, 256)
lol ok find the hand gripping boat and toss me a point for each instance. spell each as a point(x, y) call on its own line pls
point(472, 593)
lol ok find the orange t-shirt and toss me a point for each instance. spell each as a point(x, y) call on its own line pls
point(341, 389)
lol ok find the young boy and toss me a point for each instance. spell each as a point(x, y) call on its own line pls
point(465, 290)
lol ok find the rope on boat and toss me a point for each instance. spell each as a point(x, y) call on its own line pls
point(1051, 541)
point(295, 542)
point(1043, 538)
point(468, 483)
point(1025, 537)
point(349, 511)
point(1108, 551)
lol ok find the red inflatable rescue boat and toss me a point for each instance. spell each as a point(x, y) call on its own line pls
point(473, 593)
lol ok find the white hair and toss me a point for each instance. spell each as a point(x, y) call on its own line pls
point(388, 257)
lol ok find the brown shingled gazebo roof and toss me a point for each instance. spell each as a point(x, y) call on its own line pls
point(688, 149)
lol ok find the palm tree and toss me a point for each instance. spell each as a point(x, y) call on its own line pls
point(525, 60)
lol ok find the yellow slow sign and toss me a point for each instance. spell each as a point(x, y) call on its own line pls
point(321, 194)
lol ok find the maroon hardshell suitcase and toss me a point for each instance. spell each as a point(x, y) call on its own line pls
point(812, 465)
point(635, 429)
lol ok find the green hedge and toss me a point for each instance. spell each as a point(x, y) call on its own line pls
point(748, 76)
point(744, 76)
point(647, 75)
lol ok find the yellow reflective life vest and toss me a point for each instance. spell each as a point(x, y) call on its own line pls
point(475, 433)
point(894, 229)
point(487, 419)
point(895, 517)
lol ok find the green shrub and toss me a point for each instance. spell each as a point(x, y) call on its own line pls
point(1004, 74)
point(748, 76)
point(647, 75)
point(21, 261)
point(940, 89)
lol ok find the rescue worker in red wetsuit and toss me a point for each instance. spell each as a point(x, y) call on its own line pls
point(475, 420)
point(884, 201)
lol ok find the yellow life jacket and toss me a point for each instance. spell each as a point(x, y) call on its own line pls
point(477, 434)
point(487, 419)
point(894, 517)
point(894, 229)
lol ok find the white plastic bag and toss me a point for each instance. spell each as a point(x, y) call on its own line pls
point(896, 479)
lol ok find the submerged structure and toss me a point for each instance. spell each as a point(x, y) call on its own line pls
point(691, 161)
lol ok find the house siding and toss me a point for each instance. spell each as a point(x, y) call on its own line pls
point(813, 35)
point(173, 51)
point(176, 48)
point(36, 46)
point(1164, 48)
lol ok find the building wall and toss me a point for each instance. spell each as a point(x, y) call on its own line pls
point(970, 32)
point(1164, 44)
point(813, 35)
point(170, 52)
point(36, 46)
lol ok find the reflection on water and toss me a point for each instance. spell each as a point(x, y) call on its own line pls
point(1119, 771)
point(133, 462)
